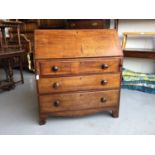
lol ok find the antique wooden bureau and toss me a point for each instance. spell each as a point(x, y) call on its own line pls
point(78, 72)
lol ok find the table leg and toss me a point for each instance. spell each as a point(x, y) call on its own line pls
point(10, 73)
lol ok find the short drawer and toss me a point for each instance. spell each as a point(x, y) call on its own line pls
point(77, 101)
point(80, 66)
point(78, 83)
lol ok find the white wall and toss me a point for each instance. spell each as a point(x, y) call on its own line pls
point(128, 25)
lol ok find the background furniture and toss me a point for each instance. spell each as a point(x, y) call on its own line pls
point(4, 41)
point(88, 23)
point(51, 23)
point(7, 59)
point(27, 41)
point(137, 52)
point(78, 72)
point(73, 23)
point(9, 52)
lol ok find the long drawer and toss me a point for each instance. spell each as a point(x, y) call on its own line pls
point(77, 101)
point(79, 66)
point(78, 83)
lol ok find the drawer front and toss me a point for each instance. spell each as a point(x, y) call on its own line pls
point(78, 83)
point(88, 24)
point(81, 66)
point(77, 101)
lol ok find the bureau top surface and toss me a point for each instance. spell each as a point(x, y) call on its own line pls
point(76, 43)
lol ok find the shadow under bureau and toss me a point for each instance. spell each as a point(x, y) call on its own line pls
point(78, 72)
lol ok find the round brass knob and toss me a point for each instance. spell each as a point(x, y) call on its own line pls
point(56, 103)
point(104, 66)
point(73, 25)
point(55, 68)
point(104, 82)
point(94, 24)
point(56, 85)
point(103, 99)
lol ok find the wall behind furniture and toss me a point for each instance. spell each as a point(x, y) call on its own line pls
point(138, 25)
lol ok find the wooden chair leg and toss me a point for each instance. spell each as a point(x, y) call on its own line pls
point(21, 69)
point(10, 74)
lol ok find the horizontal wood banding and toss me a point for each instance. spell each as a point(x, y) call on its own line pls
point(80, 66)
point(140, 53)
point(79, 113)
point(74, 43)
point(77, 101)
point(79, 83)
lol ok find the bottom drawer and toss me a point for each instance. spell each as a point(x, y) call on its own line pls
point(77, 101)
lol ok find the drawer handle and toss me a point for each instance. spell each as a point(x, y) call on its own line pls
point(103, 99)
point(73, 25)
point(94, 24)
point(104, 66)
point(104, 82)
point(56, 85)
point(56, 103)
point(55, 68)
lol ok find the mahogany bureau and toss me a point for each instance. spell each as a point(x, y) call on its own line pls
point(78, 72)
